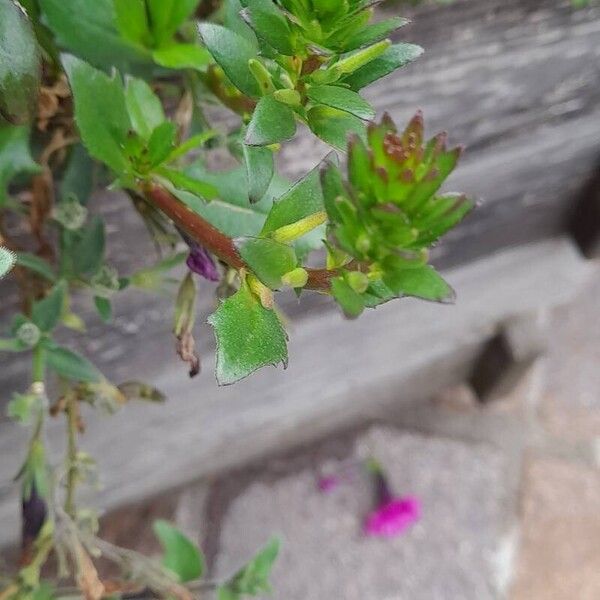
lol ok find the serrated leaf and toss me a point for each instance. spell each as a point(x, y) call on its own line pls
point(180, 554)
point(270, 24)
point(334, 126)
point(248, 336)
point(46, 313)
point(395, 57)
point(341, 98)
point(7, 261)
point(253, 579)
point(15, 156)
point(421, 282)
point(259, 168)
point(232, 52)
point(88, 29)
point(182, 56)
point(269, 260)
point(100, 112)
point(166, 16)
point(70, 365)
point(272, 122)
point(20, 64)
point(143, 106)
point(88, 251)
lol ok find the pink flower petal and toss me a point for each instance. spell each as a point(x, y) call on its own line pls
point(393, 518)
point(328, 484)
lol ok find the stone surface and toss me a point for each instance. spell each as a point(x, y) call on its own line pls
point(560, 557)
point(457, 551)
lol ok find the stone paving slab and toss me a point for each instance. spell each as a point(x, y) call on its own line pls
point(458, 551)
point(560, 556)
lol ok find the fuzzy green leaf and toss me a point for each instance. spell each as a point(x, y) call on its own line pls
point(180, 554)
point(20, 64)
point(100, 112)
point(232, 53)
point(259, 168)
point(393, 58)
point(269, 260)
point(46, 313)
point(272, 122)
point(248, 335)
point(341, 98)
point(70, 365)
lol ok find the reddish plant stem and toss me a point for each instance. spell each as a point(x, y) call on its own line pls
point(211, 238)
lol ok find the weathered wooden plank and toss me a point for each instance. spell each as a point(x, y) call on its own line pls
point(339, 372)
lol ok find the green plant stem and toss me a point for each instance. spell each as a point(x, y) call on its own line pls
point(71, 414)
point(38, 367)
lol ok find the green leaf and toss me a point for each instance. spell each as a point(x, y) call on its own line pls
point(333, 126)
point(421, 282)
point(88, 29)
point(143, 106)
point(181, 556)
point(70, 365)
point(253, 579)
point(161, 143)
point(184, 182)
point(351, 302)
point(375, 32)
point(104, 308)
point(20, 64)
point(7, 261)
point(78, 177)
point(132, 21)
point(248, 335)
point(259, 168)
point(268, 259)
point(22, 406)
point(182, 56)
point(272, 122)
point(341, 98)
point(88, 250)
point(100, 112)
point(270, 24)
point(46, 313)
point(393, 58)
point(166, 16)
point(36, 264)
point(232, 53)
point(15, 156)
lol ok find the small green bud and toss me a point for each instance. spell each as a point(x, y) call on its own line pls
point(262, 76)
point(361, 58)
point(261, 291)
point(106, 281)
point(290, 97)
point(363, 243)
point(289, 233)
point(28, 334)
point(358, 281)
point(185, 306)
point(70, 213)
point(296, 278)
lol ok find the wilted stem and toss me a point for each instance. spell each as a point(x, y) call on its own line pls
point(214, 240)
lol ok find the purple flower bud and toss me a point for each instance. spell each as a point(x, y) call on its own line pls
point(201, 262)
point(34, 514)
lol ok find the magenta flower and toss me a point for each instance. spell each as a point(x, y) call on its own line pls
point(327, 484)
point(201, 262)
point(393, 518)
point(393, 514)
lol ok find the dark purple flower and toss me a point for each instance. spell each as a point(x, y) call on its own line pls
point(392, 515)
point(34, 514)
point(201, 262)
